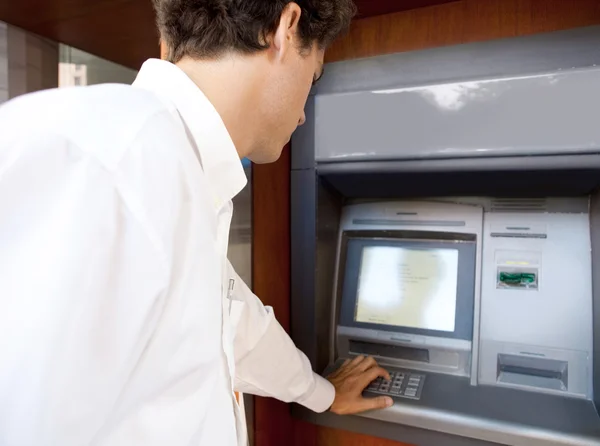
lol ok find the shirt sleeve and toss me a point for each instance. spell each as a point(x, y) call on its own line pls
point(81, 285)
point(267, 361)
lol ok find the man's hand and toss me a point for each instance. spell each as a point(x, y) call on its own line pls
point(350, 380)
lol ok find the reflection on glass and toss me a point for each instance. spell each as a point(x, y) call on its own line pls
point(77, 68)
point(408, 287)
point(240, 235)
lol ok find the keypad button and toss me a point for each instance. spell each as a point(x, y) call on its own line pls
point(400, 384)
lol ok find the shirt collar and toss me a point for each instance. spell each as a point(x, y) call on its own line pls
point(218, 156)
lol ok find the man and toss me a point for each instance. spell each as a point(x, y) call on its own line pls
point(122, 321)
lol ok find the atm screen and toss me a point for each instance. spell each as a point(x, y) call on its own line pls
point(408, 287)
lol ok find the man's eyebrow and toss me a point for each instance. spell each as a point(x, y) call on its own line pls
point(317, 79)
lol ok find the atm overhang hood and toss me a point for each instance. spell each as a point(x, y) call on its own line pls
point(531, 96)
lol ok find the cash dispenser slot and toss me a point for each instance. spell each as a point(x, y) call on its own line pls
point(533, 372)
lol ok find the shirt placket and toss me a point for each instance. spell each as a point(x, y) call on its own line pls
point(224, 221)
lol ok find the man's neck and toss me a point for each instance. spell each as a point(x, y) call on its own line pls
point(231, 85)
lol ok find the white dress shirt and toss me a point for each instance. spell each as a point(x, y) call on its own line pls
point(121, 320)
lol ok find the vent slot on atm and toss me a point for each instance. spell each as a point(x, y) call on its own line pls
point(389, 351)
point(392, 222)
point(519, 205)
point(533, 372)
point(518, 235)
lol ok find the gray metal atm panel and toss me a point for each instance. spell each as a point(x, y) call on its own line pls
point(553, 113)
point(522, 96)
point(391, 431)
point(595, 238)
point(303, 140)
point(303, 261)
point(530, 414)
point(509, 57)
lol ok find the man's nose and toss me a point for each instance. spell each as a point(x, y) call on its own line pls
point(302, 119)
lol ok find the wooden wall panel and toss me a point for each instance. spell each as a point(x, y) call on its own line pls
point(461, 22)
point(448, 24)
point(371, 8)
point(122, 31)
point(334, 437)
point(271, 277)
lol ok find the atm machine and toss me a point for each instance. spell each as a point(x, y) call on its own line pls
point(446, 221)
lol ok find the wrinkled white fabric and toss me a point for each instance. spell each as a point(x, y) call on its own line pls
point(118, 324)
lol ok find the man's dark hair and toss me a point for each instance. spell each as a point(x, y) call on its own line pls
point(208, 28)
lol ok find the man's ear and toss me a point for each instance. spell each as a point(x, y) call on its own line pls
point(286, 34)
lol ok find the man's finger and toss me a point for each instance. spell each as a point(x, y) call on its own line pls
point(366, 364)
point(372, 374)
point(356, 361)
point(340, 369)
point(380, 402)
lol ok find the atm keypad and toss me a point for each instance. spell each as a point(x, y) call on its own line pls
point(401, 384)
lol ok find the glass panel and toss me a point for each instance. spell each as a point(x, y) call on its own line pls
point(240, 236)
point(77, 67)
point(27, 62)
